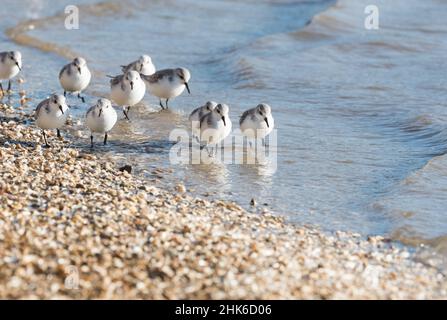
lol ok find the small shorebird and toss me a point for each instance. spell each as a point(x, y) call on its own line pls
point(101, 118)
point(168, 83)
point(10, 66)
point(127, 90)
point(143, 65)
point(51, 113)
point(257, 123)
point(197, 114)
point(75, 77)
point(215, 126)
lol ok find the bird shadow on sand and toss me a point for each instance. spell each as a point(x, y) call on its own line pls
point(122, 147)
point(17, 119)
point(25, 144)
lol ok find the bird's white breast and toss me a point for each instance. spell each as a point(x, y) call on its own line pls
point(257, 128)
point(166, 89)
point(215, 132)
point(75, 81)
point(148, 69)
point(128, 97)
point(8, 71)
point(54, 120)
point(103, 123)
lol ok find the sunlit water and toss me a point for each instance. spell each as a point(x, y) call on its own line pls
point(360, 113)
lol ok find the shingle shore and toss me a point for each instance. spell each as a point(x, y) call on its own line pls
point(73, 226)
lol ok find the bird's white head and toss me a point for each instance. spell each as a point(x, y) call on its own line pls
point(14, 58)
point(131, 77)
point(102, 105)
point(184, 75)
point(263, 111)
point(145, 59)
point(210, 105)
point(79, 63)
point(222, 111)
point(57, 102)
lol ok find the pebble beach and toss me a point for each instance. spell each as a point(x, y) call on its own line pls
point(73, 225)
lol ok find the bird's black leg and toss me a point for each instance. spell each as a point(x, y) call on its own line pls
point(167, 103)
point(91, 141)
point(263, 142)
point(105, 139)
point(82, 98)
point(9, 85)
point(125, 113)
point(65, 93)
point(161, 105)
point(45, 138)
point(59, 133)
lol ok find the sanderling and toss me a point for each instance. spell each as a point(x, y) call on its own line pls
point(197, 114)
point(75, 77)
point(127, 90)
point(257, 123)
point(51, 113)
point(215, 126)
point(143, 65)
point(101, 118)
point(10, 66)
point(168, 83)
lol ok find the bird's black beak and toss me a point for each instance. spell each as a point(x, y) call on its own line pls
point(131, 85)
point(266, 121)
point(223, 119)
point(17, 64)
point(79, 69)
point(187, 87)
point(100, 111)
point(60, 108)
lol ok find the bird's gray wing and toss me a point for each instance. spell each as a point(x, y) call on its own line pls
point(40, 106)
point(65, 68)
point(203, 119)
point(128, 67)
point(90, 110)
point(116, 80)
point(158, 75)
point(245, 116)
point(3, 56)
point(194, 112)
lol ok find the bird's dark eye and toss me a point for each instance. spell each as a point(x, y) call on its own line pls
point(260, 113)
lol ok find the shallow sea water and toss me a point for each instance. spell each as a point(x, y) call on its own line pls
point(360, 114)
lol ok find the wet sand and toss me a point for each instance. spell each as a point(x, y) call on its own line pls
point(72, 225)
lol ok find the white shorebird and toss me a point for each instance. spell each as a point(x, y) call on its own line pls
point(143, 65)
point(197, 114)
point(101, 118)
point(215, 126)
point(51, 113)
point(257, 123)
point(127, 90)
point(75, 77)
point(168, 83)
point(10, 66)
